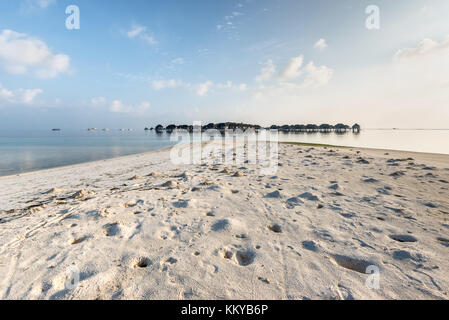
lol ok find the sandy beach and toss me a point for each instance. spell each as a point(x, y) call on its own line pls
point(141, 227)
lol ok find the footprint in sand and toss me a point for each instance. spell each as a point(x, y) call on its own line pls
point(275, 228)
point(111, 229)
point(170, 184)
point(383, 191)
point(294, 202)
point(133, 204)
point(183, 204)
point(310, 245)
point(165, 233)
point(227, 254)
point(403, 238)
point(334, 187)
point(405, 255)
point(352, 263)
point(348, 215)
point(309, 196)
point(221, 225)
point(171, 260)
point(273, 195)
point(245, 257)
point(370, 180)
point(396, 210)
point(140, 263)
point(444, 241)
point(82, 195)
point(362, 160)
point(397, 174)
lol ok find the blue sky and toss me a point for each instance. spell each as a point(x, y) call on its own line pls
point(136, 63)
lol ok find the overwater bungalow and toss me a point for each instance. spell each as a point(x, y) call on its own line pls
point(341, 128)
point(170, 128)
point(209, 126)
point(159, 128)
point(183, 127)
point(311, 128)
point(356, 128)
point(326, 128)
point(222, 126)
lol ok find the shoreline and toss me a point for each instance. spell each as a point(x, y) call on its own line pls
point(423, 156)
point(83, 163)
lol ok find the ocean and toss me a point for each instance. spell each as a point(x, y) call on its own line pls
point(26, 151)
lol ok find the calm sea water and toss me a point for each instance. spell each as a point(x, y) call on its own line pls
point(29, 151)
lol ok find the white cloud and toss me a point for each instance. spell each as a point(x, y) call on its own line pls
point(320, 44)
point(292, 69)
point(291, 75)
point(22, 54)
point(267, 72)
point(203, 88)
point(230, 85)
point(243, 87)
point(29, 95)
point(32, 5)
point(293, 80)
point(200, 89)
point(148, 39)
point(203, 52)
point(141, 32)
point(164, 84)
point(118, 106)
point(226, 85)
point(24, 96)
point(233, 15)
point(424, 48)
point(135, 31)
point(178, 61)
point(98, 101)
point(229, 25)
point(317, 76)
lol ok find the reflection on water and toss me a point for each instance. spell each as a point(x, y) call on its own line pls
point(30, 151)
point(431, 141)
point(24, 152)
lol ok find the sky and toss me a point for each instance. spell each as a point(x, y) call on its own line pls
point(138, 63)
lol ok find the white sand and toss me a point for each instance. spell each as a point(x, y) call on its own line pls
point(210, 235)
